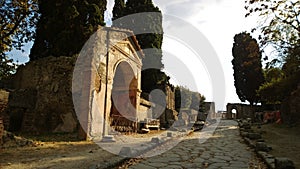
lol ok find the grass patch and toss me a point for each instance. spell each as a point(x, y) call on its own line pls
point(51, 137)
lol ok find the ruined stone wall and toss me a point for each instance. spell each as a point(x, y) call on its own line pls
point(210, 110)
point(169, 115)
point(3, 100)
point(290, 108)
point(41, 99)
point(243, 110)
point(3, 104)
point(1, 130)
point(170, 92)
point(144, 110)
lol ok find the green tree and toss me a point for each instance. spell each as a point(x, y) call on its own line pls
point(198, 102)
point(177, 99)
point(269, 91)
point(17, 23)
point(273, 74)
point(280, 24)
point(183, 98)
point(151, 23)
point(64, 26)
point(202, 104)
point(118, 10)
point(248, 75)
point(187, 99)
point(280, 83)
point(7, 67)
point(292, 62)
point(280, 27)
point(196, 98)
point(152, 76)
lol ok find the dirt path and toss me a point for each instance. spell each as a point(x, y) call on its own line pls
point(284, 140)
point(56, 155)
point(224, 149)
point(83, 154)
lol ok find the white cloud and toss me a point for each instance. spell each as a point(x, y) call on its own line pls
point(108, 13)
point(184, 8)
point(219, 21)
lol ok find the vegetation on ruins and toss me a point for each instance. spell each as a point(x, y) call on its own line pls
point(248, 74)
point(187, 99)
point(18, 19)
point(278, 88)
point(60, 28)
point(64, 26)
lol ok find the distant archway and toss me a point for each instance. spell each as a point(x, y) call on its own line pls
point(241, 111)
point(234, 113)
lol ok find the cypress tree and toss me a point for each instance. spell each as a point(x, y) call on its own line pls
point(248, 74)
point(151, 78)
point(118, 10)
point(64, 26)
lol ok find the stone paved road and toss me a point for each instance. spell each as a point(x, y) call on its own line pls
point(225, 149)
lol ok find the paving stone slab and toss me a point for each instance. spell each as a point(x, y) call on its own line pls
point(140, 165)
point(157, 165)
point(226, 150)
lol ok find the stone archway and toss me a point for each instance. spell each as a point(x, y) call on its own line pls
point(242, 110)
point(123, 114)
point(112, 75)
point(233, 111)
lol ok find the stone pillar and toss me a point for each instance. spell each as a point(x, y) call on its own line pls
point(107, 108)
point(228, 111)
point(83, 115)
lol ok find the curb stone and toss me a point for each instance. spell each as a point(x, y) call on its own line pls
point(261, 148)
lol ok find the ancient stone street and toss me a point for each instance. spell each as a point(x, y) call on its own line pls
point(225, 149)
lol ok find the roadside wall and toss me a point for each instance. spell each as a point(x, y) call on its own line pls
point(41, 98)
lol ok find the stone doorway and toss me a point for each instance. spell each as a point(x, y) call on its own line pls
point(123, 114)
point(107, 83)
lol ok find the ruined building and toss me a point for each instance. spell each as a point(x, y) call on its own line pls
point(94, 92)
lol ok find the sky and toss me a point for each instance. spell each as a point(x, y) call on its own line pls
point(218, 21)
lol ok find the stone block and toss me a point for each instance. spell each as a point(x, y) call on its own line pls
point(180, 123)
point(261, 146)
point(108, 138)
point(172, 128)
point(244, 134)
point(254, 136)
point(284, 163)
point(184, 130)
point(23, 98)
point(155, 140)
point(169, 134)
point(260, 140)
point(247, 127)
point(127, 152)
